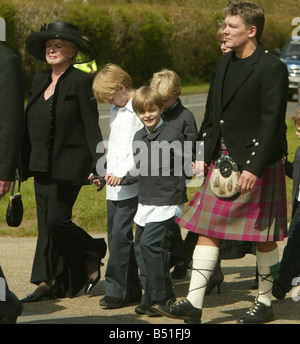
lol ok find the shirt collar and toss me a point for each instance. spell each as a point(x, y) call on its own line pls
point(158, 125)
point(128, 106)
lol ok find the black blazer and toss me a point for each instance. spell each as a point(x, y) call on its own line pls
point(74, 129)
point(11, 113)
point(167, 185)
point(252, 118)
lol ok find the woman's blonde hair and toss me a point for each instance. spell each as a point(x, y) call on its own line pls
point(166, 82)
point(69, 45)
point(145, 97)
point(107, 81)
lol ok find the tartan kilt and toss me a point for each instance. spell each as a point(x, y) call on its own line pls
point(259, 215)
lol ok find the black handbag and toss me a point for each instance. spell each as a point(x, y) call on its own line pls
point(14, 212)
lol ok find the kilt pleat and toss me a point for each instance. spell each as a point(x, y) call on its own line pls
point(259, 215)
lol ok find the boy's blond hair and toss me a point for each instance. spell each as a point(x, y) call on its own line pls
point(166, 82)
point(107, 81)
point(146, 97)
point(296, 118)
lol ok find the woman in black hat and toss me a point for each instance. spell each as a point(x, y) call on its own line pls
point(59, 151)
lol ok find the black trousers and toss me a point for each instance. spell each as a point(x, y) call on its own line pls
point(122, 279)
point(152, 245)
point(290, 262)
point(62, 247)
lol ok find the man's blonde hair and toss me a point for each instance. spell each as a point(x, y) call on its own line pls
point(296, 117)
point(145, 97)
point(166, 82)
point(107, 81)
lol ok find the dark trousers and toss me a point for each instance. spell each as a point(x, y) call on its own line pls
point(152, 245)
point(62, 247)
point(122, 279)
point(290, 263)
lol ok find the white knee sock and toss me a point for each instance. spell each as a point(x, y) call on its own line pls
point(204, 260)
point(265, 280)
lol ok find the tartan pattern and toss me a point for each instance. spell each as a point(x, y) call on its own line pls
point(259, 215)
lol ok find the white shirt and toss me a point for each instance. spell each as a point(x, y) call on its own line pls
point(124, 123)
point(153, 213)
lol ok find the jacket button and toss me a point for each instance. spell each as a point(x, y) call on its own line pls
point(247, 162)
point(204, 135)
point(221, 122)
point(256, 143)
point(253, 153)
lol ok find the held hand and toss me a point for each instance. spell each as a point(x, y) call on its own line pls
point(112, 180)
point(5, 186)
point(94, 180)
point(199, 168)
point(246, 182)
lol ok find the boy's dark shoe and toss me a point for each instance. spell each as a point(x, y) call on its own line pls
point(277, 290)
point(259, 313)
point(111, 302)
point(182, 310)
point(147, 310)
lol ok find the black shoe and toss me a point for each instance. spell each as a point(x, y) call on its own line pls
point(259, 313)
point(180, 270)
point(111, 302)
point(277, 290)
point(215, 280)
point(91, 282)
point(181, 310)
point(49, 293)
point(146, 310)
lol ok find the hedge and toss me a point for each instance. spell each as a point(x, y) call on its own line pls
point(141, 36)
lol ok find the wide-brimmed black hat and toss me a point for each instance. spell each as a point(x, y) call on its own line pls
point(36, 43)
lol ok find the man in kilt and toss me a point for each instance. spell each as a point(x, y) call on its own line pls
point(245, 120)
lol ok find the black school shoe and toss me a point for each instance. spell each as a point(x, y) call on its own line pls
point(111, 302)
point(182, 310)
point(259, 313)
point(147, 310)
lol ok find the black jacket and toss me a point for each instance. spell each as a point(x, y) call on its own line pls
point(74, 127)
point(155, 188)
point(11, 113)
point(183, 120)
point(252, 118)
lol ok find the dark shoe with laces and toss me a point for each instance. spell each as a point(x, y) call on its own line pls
point(182, 310)
point(277, 290)
point(147, 310)
point(259, 313)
